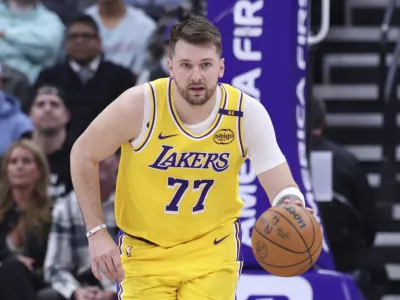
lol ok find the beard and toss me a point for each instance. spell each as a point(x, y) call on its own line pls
point(49, 131)
point(196, 99)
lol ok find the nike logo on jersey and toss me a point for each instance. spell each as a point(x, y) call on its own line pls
point(163, 137)
point(216, 242)
point(168, 158)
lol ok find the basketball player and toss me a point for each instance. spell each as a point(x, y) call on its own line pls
point(183, 142)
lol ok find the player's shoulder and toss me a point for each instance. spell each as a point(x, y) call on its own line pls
point(246, 96)
point(160, 82)
point(133, 93)
point(131, 100)
point(249, 103)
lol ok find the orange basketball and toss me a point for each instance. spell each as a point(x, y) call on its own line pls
point(287, 240)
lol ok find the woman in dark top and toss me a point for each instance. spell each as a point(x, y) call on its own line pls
point(25, 217)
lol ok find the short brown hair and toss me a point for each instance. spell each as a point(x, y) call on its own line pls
point(196, 30)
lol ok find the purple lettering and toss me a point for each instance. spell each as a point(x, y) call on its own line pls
point(184, 160)
point(212, 157)
point(170, 161)
point(201, 160)
point(222, 164)
point(156, 164)
point(196, 163)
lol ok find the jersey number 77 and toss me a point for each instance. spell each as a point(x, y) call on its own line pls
point(203, 185)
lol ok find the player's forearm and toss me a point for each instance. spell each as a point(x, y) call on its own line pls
point(280, 186)
point(85, 178)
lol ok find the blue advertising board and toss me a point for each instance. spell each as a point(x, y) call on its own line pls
point(265, 49)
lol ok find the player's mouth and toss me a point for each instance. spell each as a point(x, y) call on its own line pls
point(197, 89)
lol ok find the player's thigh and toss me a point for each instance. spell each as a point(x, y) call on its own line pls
point(219, 285)
point(147, 288)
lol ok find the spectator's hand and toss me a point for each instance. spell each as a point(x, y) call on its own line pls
point(299, 203)
point(106, 295)
point(104, 253)
point(87, 293)
point(80, 294)
point(27, 261)
point(1, 34)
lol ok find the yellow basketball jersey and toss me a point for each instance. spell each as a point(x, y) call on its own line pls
point(176, 186)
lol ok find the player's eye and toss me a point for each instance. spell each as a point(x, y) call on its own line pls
point(207, 65)
point(185, 65)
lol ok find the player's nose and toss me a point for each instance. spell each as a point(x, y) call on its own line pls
point(196, 76)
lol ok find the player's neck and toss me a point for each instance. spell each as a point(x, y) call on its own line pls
point(194, 114)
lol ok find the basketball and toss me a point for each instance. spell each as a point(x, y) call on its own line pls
point(286, 240)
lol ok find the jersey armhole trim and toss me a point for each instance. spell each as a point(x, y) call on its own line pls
point(152, 120)
point(240, 126)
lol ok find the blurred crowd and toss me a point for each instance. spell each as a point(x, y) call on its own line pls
point(61, 63)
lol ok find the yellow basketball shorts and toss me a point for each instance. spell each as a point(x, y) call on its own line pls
point(205, 268)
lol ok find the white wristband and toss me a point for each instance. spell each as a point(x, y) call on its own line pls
point(289, 191)
point(94, 230)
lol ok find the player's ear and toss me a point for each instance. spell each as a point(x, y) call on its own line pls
point(169, 60)
point(221, 67)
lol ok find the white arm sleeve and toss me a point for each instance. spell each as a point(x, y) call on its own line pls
point(259, 137)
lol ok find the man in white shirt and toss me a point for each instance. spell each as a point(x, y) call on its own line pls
point(125, 32)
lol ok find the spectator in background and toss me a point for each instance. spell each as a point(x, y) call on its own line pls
point(15, 83)
point(126, 32)
point(30, 36)
point(50, 117)
point(163, 3)
point(159, 69)
point(14, 124)
point(67, 264)
point(25, 218)
point(90, 82)
point(81, 5)
point(65, 9)
point(350, 219)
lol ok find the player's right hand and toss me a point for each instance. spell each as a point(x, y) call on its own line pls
point(299, 203)
point(104, 253)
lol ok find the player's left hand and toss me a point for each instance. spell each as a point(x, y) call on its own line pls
point(299, 203)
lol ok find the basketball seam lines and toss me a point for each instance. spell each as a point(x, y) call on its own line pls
point(301, 271)
point(288, 266)
point(305, 244)
point(276, 244)
point(312, 224)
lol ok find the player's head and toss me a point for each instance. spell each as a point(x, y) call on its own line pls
point(195, 59)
